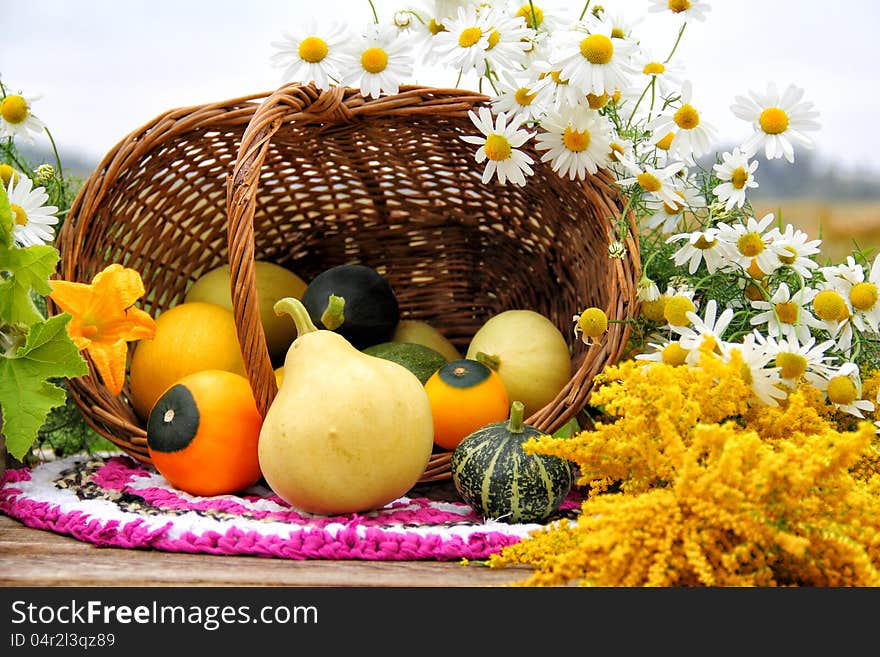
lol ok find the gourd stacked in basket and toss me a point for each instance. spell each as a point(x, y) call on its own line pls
point(394, 265)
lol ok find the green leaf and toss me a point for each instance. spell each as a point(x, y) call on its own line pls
point(26, 397)
point(5, 220)
point(28, 270)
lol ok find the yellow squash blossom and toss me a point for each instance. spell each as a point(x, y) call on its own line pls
point(104, 318)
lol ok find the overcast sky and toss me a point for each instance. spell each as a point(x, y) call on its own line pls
point(105, 67)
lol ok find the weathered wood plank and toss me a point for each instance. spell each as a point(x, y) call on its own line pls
point(33, 557)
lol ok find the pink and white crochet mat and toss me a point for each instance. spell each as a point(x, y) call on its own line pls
point(115, 501)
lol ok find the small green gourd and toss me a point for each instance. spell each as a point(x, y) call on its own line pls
point(493, 474)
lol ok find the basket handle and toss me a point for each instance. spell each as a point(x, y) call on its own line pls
point(290, 102)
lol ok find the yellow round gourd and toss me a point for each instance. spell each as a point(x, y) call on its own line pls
point(190, 337)
point(529, 353)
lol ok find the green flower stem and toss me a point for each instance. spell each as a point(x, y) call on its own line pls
point(584, 12)
point(677, 41)
point(60, 172)
point(375, 15)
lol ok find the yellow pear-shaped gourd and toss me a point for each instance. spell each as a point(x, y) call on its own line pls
point(347, 431)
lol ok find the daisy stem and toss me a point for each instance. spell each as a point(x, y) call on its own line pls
point(534, 15)
point(57, 157)
point(489, 78)
point(650, 85)
point(376, 16)
point(677, 41)
point(584, 12)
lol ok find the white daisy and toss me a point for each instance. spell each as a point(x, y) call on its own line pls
point(377, 63)
point(763, 378)
point(508, 42)
point(31, 217)
point(834, 315)
point(844, 390)
point(537, 19)
point(594, 62)
point(786, 314)
point(844, 274)
point(752, 241)
point(619, 151)
point(311, 54)
point(7, 173)
point(646, 289)
point(701, 246)
point(554, 91)
point(16, 119)
point(796, 360)
point(658, 182)
point(517, 99)
point(666, 77)
point(692, 136)
point(778, 120)
point(499, 146)
point(706, 332)
point(668, 217)
point(859, 291)
point(797, 250)
point(577, 141)
point(462, 44)
point(684, 9)
point(737, 176)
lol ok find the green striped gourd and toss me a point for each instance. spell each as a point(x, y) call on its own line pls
point(493, 474)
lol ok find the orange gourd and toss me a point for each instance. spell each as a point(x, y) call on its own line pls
point(465, 395)
point(203, 432)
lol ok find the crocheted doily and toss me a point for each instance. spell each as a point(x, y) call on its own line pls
point(115, 501)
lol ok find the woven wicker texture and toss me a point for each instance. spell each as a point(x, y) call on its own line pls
point(309, 180)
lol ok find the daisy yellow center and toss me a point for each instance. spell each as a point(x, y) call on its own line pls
point(788, 259)
point(649, 182)
point(313, 49)
point(674, 354)
point(746, 373)
point(19, 216)
point(791, 366)
point(675, 209)
point(524, 96)
point(755, 271)
point(532, 20)
point(678, 6)
point(557, 78)
point(653, 310)
point(14, 109)
point(863, 296)
point(686, 117)
point(597, 102)
point(829, 306)
point(676, 310)
point(709, 344)
point(597, 49)
point(494, 38)
point(703, 244)
point(593, 322)
point(739, 177)
point(617, 33)
point(773, 121)
point(497, 147)
point(469, 36)
point(750, 244)
point(654, 68)
point(575, 140)
point(787, 312)
point(616, 153)
point(435, 28)
point(374, 60)
point(842, 390)
point(754, 291)
point(7, 173)
point(666, 142)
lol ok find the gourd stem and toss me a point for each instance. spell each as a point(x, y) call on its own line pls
point(334, 314)
point(489, 360)
point(515, 423)
point(294, 307)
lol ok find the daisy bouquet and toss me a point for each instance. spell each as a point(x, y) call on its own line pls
point(583, 94)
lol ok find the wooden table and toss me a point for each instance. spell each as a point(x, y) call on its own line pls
point(34, 557)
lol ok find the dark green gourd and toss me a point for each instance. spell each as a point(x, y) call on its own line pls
point(493, 474)
point(355, 301)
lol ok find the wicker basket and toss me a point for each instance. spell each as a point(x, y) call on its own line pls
point(309, 180)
